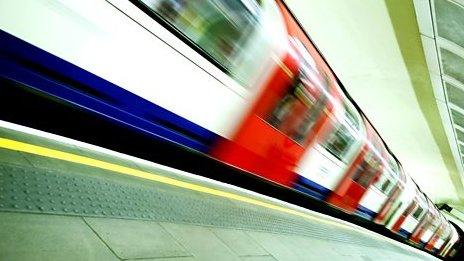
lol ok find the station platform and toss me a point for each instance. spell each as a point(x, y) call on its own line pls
point(65, 200)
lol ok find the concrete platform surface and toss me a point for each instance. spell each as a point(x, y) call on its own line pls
point(65, 200)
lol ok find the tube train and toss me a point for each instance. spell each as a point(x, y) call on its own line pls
point(237, 80)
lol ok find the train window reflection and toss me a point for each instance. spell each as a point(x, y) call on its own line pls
point(417, 213)
point(221, 28)
point(386, 186)
point(409, 209)
point(366, 170)
point(296, 113)
point(339, 142)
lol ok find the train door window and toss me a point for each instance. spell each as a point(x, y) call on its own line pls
point(340, 141)
point(410, 208)
point(386, 186)
point(296, 113)
point(381, 181)
point(417, 213)
point(220, 28)
point(366, 170)
point(386, 183)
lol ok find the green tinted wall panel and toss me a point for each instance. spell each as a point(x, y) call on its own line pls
point(458, 118)
point(455, 95)
point(453, 64)
point(450, 21)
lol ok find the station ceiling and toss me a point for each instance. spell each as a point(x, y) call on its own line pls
point(402, 62)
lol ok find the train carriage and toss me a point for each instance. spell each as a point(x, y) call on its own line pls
point(381, 191)
point(365, 170)
point(287, 115)
point(438, 239)
point(446, 238)
point(412, 210)
point(418, 215)
point(323, 166)
point(448, 249)
point(424, 231)
point(393, 202)
point(395, 217)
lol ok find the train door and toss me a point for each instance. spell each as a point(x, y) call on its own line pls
point(397, 215)
point(426, 233)
point(427, 227)
point(436, 239)
point(338, 143)
point(377, 194)
point(447, 249)
point(406, 223)
point(421, 228)
point(445, 238)
point(441, 247)
point(441, 250)
point(393, 202)
point(391, 205)
point(363, 172)
point(422, 224)
point(285, 117)
point(410, 218)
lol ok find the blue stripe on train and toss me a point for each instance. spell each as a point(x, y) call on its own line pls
point(365, 212)
point(47, 73)
point(404, 233)
point(312, 188)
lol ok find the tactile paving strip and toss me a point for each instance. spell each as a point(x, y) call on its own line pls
point(34, 190)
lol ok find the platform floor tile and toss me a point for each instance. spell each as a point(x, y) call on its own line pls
point(291, 247)
point(42, 237)
point(240, 242)
point(277, 245)
point(136, 239)
point(201, 242)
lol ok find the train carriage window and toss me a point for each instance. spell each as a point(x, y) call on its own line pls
point(340, 141)
point(221, 28)
point(295, 114)
point(409, 209)
point(380, 182)
point(364, 174)
point(384, 184)
point(417, 213)
point(366, 170)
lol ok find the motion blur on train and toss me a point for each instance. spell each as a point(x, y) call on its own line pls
point(237, 80)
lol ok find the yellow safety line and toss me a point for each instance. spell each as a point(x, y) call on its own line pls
point(56, 154)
